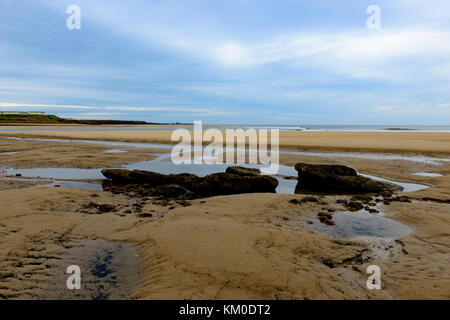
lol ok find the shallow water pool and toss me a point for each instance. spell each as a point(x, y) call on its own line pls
point(109, 270)
point(361, 223)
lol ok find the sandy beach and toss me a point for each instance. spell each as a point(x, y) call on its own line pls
point(247, 246)
point(199, 157)
point(407, 142)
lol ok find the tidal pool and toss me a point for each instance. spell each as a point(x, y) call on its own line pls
point(116, 151)
point(361, 224)
point(160, 165)
point(74, 185)
point(427, 174)
point(109, 270)
point(407, 187)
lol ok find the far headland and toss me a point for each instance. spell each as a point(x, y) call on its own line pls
point(33, 117)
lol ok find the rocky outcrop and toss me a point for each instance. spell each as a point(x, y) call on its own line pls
point(229, 183)
point(171, 191)
point(187, 186)
point(242, 171)
point(152, 179)
point(337, 179)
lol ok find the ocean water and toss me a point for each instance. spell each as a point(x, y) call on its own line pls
point(336, 128)
point(354, 128)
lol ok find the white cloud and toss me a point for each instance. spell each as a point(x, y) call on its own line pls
point(421, 108)
point(362, 54)
point(181, 109)
point(10, 105)
point(359, 55)
point(93, 115)
point(13, 105)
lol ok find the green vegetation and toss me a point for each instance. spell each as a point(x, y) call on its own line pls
point(49, 118)
point(41, 118)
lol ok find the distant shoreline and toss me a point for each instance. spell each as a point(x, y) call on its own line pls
point(20, 120)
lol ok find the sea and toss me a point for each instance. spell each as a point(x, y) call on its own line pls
point(330, 128)
point(354, 128)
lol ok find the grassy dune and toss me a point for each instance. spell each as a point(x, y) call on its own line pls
point(49, 118)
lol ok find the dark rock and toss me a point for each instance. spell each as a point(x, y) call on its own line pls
point(325, 217)
point(150, 179)
point(172, 191)
point(184, 203)
point(328, 263)
point(363, 199)
point(92, 205)
point(310, 199)
point(106, 208)
point(402, 199)
point(337, 179)
point(145, 183)
point(154, 179)
point(324, 214)
point(242, 171)
point(226, 183)
point(354, 206)
point(145, 215)
point(294, 201)
point(18, 174)
point(386, 194)
point(325, 169)
point(118, 175)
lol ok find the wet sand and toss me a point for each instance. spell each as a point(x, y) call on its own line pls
point(32, 154)
point(409, 142)
point(252, 246)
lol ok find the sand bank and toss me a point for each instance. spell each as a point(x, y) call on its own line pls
point(408, 142)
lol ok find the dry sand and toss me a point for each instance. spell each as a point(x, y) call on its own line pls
point(255, 246)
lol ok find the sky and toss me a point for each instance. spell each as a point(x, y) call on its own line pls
point(292, 62)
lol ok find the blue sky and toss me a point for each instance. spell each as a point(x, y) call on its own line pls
point(229, 61)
